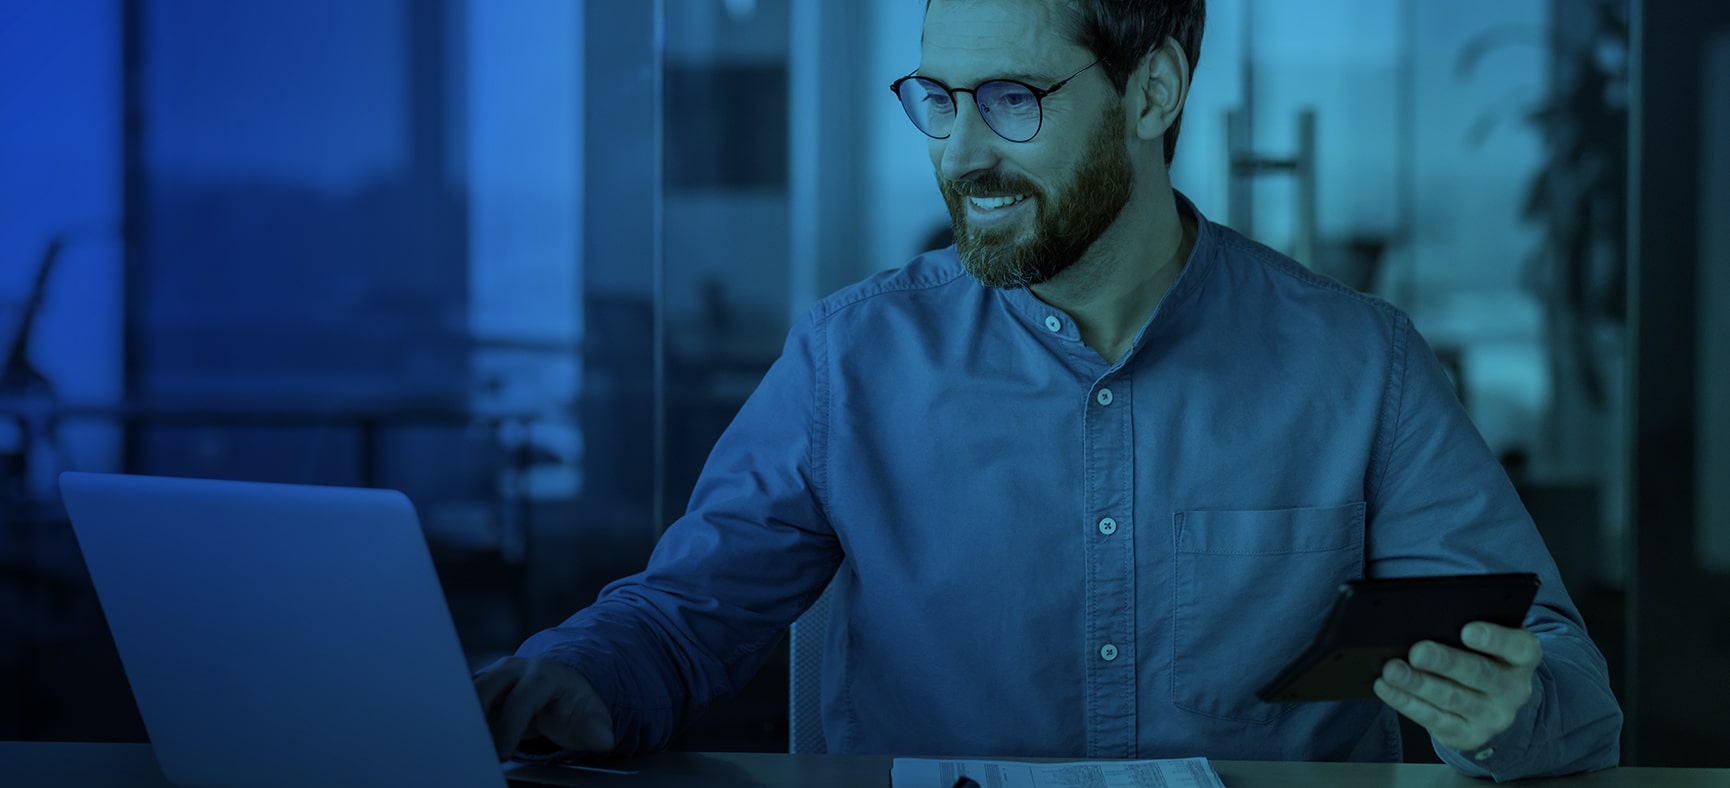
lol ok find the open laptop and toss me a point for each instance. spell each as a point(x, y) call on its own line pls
point(283, 635)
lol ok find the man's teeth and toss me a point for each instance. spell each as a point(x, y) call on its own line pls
point(989, 203)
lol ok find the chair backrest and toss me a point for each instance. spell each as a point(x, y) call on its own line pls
point(805, 677)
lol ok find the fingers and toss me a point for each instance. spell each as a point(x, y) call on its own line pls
point(1516, 647)
point(577, 722)
point(1464, 697)
point(493, 681)
point(508, 711)
point(1443, 694)
point(511, 721)
point(1450, 729)
point(1465, 668)
point(538, 697)
point(1488, 688)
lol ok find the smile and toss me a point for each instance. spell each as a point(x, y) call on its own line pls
point(994, 203)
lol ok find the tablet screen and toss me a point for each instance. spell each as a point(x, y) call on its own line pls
point(1375, 620)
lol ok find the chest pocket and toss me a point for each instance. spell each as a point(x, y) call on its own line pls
point(1251, 587)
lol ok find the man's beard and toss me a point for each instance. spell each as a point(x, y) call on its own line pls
point(1065, 224)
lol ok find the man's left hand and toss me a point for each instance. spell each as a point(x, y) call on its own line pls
point(1464, 697)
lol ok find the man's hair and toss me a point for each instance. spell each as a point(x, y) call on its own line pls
point(1122, 32)
point(1125, 31)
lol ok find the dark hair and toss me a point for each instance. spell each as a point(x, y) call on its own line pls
point(1125, 31)
point(1122, 32)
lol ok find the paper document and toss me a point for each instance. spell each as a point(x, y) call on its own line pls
point(938, 773)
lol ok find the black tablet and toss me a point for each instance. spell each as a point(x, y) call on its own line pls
point(1373, 621)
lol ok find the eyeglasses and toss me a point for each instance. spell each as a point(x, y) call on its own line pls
point(1010, 108)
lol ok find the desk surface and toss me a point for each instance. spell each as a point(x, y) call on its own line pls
point(77, 765)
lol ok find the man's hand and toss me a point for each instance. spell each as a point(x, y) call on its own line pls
point(535, 697)
point(1464, 698)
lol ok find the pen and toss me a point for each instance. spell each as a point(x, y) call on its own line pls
point(965, 782)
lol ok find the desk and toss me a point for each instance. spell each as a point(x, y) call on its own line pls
point(32, 764)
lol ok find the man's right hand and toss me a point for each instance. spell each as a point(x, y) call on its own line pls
point(527, 698)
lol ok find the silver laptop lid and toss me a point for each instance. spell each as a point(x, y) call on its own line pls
point(280, 635)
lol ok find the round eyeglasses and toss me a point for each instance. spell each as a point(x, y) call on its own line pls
point(1010, 108)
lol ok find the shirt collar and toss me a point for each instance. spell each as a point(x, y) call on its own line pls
point(1040, 315)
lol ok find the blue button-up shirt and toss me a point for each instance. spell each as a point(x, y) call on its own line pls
point(1038, 552)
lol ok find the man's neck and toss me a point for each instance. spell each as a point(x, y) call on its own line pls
point(1113, 289)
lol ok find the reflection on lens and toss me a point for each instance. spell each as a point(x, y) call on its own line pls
point(1010, 108)
point(928, 105)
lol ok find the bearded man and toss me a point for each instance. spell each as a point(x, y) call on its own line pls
point(1084, 481)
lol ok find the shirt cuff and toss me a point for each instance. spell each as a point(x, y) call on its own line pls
point(602, 679)
point(1502, 757)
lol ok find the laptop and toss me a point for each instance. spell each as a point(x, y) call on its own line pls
point(282, 635)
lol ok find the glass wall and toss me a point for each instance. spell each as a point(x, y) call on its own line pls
point(525, 260)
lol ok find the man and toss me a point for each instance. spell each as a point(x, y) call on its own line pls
point(1085, 483)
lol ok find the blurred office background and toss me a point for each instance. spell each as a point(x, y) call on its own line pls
point(523, 261)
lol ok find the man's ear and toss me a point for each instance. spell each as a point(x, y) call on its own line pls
point(1157, 89)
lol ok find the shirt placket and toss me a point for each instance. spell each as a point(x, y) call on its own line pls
point(1110, 651)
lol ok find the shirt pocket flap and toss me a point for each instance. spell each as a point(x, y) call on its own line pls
point(1250, 587)
point(1271, 531)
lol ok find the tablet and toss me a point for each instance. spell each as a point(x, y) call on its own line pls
point(1373, 621)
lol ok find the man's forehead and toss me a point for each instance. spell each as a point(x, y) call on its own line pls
point(968, 40)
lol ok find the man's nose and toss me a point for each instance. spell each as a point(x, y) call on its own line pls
point(971, 146)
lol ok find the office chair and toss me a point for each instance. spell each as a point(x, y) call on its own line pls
point(805, 678)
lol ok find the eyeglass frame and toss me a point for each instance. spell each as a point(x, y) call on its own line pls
point(1039, 95)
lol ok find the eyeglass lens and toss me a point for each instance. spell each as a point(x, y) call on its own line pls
point(1009, 108)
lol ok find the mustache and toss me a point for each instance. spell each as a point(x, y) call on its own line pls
point(988, 185)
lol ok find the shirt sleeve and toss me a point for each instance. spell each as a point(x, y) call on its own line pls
point(751, 553)
point(1440, 503)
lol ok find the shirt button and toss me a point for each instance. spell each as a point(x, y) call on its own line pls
point(1487, 753)
point(1108, 526)
point(1108, 652)
point(1105, 396)
point(1053, 323)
